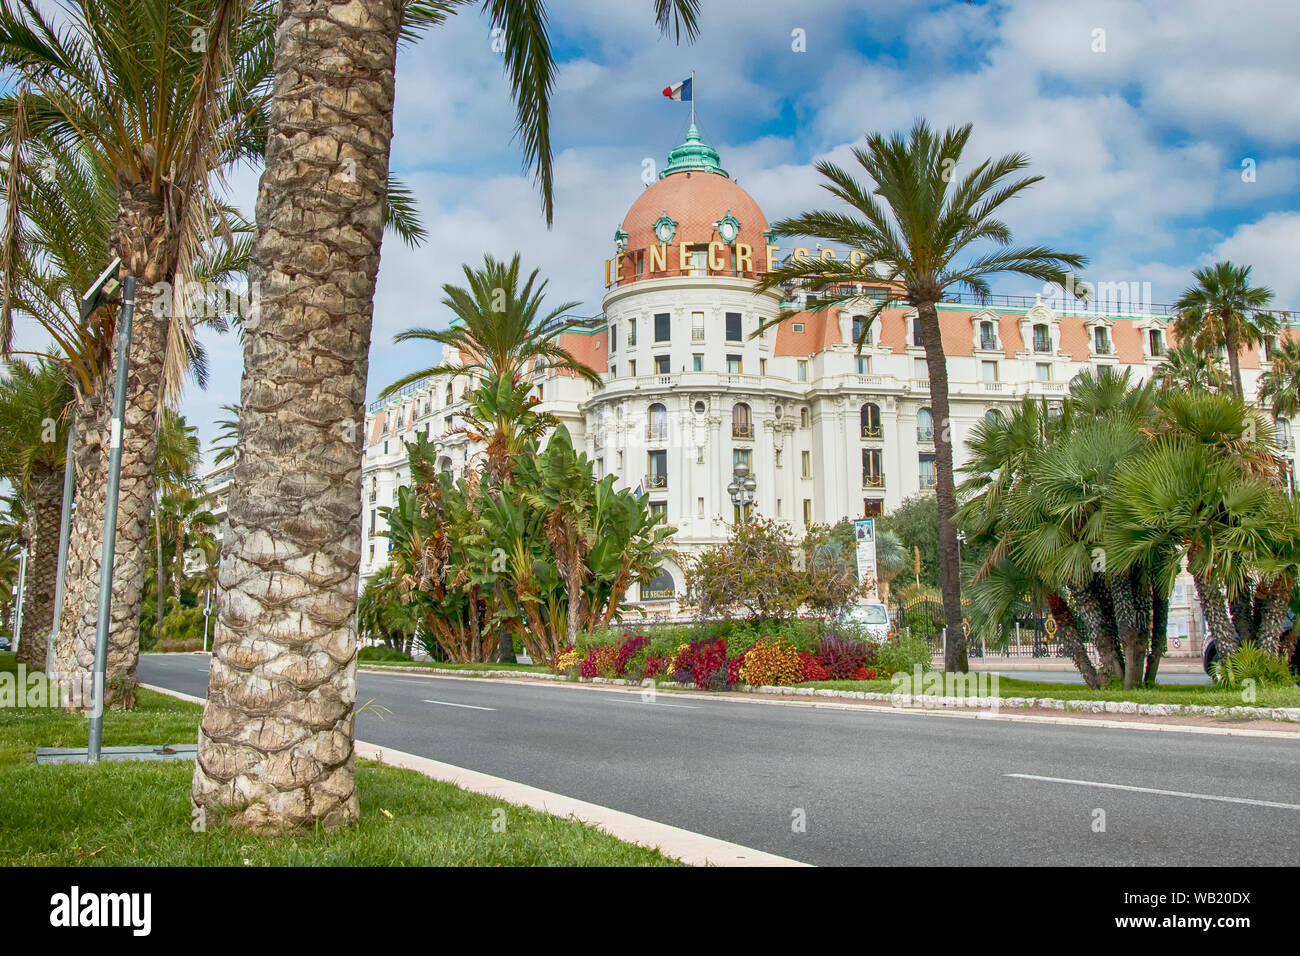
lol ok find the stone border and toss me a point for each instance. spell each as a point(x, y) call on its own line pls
point(909, 701)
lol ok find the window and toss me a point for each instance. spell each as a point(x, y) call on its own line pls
point(863, 363)
point(872, 507)
point(778, 507)
point(1042, 338)
point(613, 371)
point(742, 456)
point(860, 324)
point(449, 397)
point(798, 326)
point(742, 425)
point(762, 366)
point(924, 425)
point(926, 463)
point(631, 368)
point(699, 507)
point(873, 474)
point(699, 260)
point(917, 340)
point(869, 418)
point(697, 326)
point(992, 416)
point(374, 487)
point(697, 363)
point(805, 464)
point(663, 327)
point(804, 418)
point(989, 370)
point(663, 365)
point(385, 446)
point(920, 371)
point(733, 364)
point(372, 552)
point(657, 423)
point(776, 458)
point(988, 338)
point(733, 327)
point(807, 511)
point(1043, 371)
point(613, 337)
point(657, 466)
point(659, 512)
point(1101, 340)
point(801, 371)
point(372, 520)
point(631, 332)
point(699, 454)
point(1156, 343)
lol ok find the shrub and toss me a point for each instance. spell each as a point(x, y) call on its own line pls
point(600, 661)
point(1251, 662)
point(902, 652)
point(842, 656)
point(565, 661)
point(177, 647)
point(772, 664)
point(813, 669)
point(381, 652)
point(627, 650)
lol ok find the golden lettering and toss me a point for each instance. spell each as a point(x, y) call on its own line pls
point(801, 253)
point(719, 264)
point(856, 257)
point(828, 254)
point(771, 257)
point(659, 255)
point(683, 255)
point(744, 258)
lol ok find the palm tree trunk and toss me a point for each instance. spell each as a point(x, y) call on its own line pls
point(276, 741)
point(46, 501)
point(178, 572)
point(1072, 640)
point(1232, 341)
point(82, 574)
point(945, 491)
point(1159, 633)
point(1277, 598)
point(1215, 611)
point(140, 237)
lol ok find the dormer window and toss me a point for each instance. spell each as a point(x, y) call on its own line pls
point(1101, 340)
point(1155, 342)
point(1042, 338)
point(917, 338)
point(988, 336)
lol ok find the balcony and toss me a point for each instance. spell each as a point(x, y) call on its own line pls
point(697, 335)
point(925, 434)
point(988, 345)
point(656, 482)
point(871, 431)
point(870, 480)
point(990, 386)
point(929, 481)
point(742, 430)
point(656, 433)
point(631, 339)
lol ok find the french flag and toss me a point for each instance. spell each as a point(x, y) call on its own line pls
point(679, 91)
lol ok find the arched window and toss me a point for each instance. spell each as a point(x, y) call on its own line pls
point(924, 425)
point(449, 396)
point(993, 416)
point(870, 420)
point(657, 426)
point(444, 464)
point(742, 424)
point(1283, 435)
point(859, 324)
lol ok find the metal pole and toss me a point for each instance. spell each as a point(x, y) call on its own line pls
point(110, 518)
point(65, 531)
point(207, 612)
point(22, 587)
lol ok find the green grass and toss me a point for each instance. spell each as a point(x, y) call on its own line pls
point(138, 814)
point(1204, 694)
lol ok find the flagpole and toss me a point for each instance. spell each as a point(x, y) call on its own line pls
point(692, 97)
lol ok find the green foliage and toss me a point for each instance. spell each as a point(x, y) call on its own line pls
point(1251, 662)
point(903, 653)
point(381, 653)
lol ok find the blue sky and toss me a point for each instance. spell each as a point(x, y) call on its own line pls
point(1141, 143)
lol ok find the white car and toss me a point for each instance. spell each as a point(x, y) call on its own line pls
point(873, 616)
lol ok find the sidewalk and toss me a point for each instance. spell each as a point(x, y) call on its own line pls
point(1168, 665)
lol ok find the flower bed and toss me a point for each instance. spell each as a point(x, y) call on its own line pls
point(724, 662)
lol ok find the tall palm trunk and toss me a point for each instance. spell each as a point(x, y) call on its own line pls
point(1215, 610)
point(949, 569)
point(275, 744)
point(141, 238)
point(90, 424)
point(46, 502)
point(1232, 341)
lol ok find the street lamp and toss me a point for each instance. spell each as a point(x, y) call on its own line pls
point(742, 489)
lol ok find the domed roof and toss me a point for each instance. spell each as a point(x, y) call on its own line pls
point(695, 194)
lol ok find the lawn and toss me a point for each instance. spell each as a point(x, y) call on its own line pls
point(138, 814)
point(451, 666)
point(1204, 694)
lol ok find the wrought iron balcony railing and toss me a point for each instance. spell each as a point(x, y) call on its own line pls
point(656, 482)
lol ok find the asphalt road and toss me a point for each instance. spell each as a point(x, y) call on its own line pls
point(870, 788)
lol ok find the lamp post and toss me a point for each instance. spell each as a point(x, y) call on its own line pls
point(742, 489)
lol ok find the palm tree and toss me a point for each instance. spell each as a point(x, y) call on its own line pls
point(34, 405)
point(163, 94)
point(1188, 367)
point(292, 548)
point(1224, 310)
point(1279, 387)
point(919, 219)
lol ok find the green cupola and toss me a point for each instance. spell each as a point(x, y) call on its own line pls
point(693, 156)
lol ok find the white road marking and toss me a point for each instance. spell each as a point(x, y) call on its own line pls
point(649, 703)
point(1162, 793)
point(447, 703)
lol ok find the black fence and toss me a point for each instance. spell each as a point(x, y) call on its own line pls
point(1029, 637)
